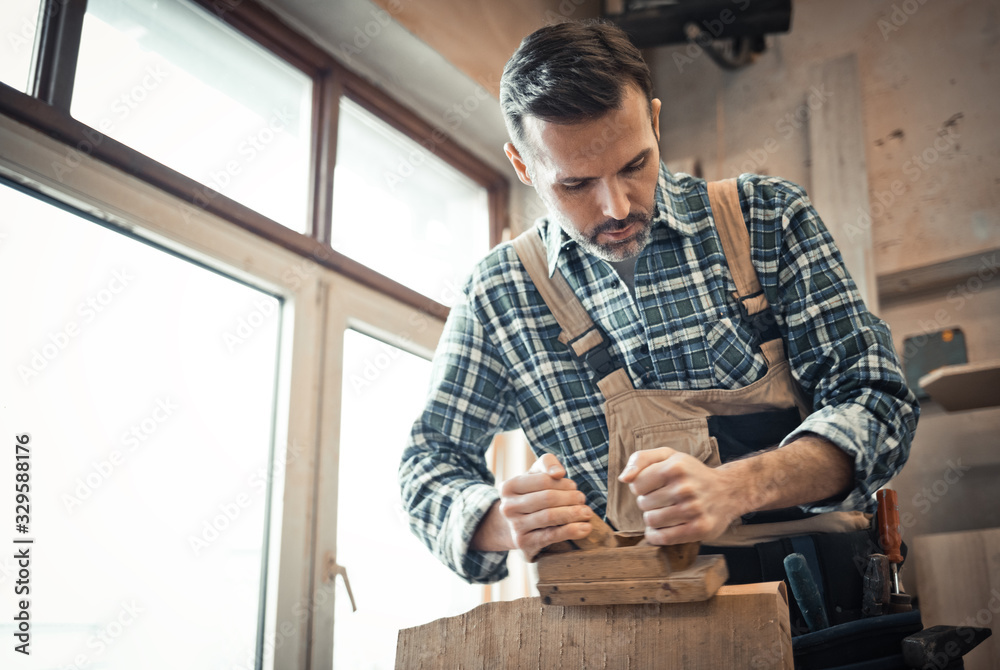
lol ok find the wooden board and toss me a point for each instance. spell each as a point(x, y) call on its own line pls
point(743, 626)
point(969, 386)
point(839, 168)
point(699, 582)
point(958, 575)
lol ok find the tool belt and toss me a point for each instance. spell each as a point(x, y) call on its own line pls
point(713, 425)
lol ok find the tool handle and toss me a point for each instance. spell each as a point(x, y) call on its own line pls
point(806, 593)
point(890, 534)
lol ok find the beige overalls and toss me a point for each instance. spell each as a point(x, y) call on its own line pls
point(647, 419)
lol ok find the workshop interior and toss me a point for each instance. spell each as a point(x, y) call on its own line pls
point(231, 236)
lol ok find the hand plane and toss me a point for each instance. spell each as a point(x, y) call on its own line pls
point(613, 568)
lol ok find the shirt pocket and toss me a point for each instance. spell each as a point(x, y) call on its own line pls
point(734, 354)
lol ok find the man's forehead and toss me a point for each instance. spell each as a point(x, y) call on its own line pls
point(577, 149)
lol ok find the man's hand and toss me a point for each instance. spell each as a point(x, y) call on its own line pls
point(682, 499)
point(536, 509)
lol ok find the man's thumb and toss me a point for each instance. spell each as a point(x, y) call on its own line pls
point(550, 465)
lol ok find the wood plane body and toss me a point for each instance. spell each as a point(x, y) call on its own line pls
point(627, 575)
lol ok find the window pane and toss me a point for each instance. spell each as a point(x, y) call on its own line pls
point(402, 211)
point(177, 84)
point(18, 25)
point(396, 581)
point(147, 384)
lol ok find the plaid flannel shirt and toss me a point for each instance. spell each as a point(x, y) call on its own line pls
point(499, 365)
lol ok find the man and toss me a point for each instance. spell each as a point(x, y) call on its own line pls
point(638, 248)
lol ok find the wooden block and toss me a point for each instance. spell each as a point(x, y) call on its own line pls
point(637, 562)
point(699, 582)
point(743, 626)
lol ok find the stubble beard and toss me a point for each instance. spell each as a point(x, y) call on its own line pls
point(616, 251)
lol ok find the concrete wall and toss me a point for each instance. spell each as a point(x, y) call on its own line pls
point(929, 74)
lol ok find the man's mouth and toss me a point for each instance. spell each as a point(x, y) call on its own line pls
point(621, 234)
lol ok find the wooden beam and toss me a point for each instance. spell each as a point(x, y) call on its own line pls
point(969, 272)
point(839, 170)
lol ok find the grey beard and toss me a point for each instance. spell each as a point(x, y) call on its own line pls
point(616, 251)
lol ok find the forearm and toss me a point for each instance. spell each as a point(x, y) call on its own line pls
point(807, 470)
point(445, 496)
point(493, 533)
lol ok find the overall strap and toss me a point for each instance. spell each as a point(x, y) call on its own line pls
point(724, 199)
point(586, 340)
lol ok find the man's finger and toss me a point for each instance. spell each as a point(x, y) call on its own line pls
point(551, 517)
point(550, 465)
point(529, 503)
point(533, 542)
point(523, 484)
point(641, 460)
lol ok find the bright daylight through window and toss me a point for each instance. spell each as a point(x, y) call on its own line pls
point(147, 384)
point(177, 84)
point(402, 211)
point(18, 26)
point(376, 545)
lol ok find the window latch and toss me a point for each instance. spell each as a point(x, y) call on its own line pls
point(332, 570)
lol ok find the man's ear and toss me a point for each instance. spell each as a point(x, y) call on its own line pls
point(519, 165)
point(654, 112)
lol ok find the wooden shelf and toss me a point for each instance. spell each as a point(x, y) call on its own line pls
point(968, 386)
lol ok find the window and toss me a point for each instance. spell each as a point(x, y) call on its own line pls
point(403, 211)
point(147, 384)
point(181, 317)
point(173, 82)
point(18, 25)
point(374, 543)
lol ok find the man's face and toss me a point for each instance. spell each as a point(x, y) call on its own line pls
point(597, 178)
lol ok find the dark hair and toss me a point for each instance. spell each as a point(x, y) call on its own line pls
point(570, 72)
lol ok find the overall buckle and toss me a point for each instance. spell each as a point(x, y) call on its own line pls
point(763, 323)
point(598, 358)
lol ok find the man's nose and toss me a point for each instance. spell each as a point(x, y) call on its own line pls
point(613, 199)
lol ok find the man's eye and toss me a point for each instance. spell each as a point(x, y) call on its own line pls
point(575, 186)
point(635, 167)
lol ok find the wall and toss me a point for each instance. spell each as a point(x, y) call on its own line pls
point(929, 74)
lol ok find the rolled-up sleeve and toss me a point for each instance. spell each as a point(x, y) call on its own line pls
point(446, 485)
point(841, 354)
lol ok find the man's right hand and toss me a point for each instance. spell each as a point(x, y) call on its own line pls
point(536, 509)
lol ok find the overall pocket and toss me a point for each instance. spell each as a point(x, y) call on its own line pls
point(689, 437)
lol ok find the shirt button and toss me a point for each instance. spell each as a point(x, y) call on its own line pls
point(614, 283)
point(644, 349)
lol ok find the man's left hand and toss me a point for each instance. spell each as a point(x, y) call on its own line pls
point(682, 499)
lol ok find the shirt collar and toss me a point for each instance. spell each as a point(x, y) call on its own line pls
point(670, 210)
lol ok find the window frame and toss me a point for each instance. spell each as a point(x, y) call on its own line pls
point(324, 291)
point(47, 110)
